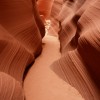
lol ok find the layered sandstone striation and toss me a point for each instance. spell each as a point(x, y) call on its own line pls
point(77, 25)
point(79, 38)
point(21, 33)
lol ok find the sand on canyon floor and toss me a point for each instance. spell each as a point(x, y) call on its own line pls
point(41, 83)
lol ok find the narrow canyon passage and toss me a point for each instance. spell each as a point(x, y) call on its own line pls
point(41, 82)
point(49, 49)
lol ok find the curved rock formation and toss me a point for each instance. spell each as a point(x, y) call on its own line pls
point(38, 19)
point(21, 32)
point(80, 48)
point(21, 24)
point(10, 89)
point(14, 57)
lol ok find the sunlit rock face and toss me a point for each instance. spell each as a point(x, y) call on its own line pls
point(44, 7)
point(79, 38)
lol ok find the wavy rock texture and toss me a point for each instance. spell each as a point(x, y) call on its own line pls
point(69, 23)
point(68, 16)
point(90, 43)
point(56, 7)
point(10, 89)
point(80, 47)
point(21, 32)
point(21, 24)
point(13, 56)
point(70, 7)
point(72, 69)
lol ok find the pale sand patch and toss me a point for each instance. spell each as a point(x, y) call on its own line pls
point(41, 82)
